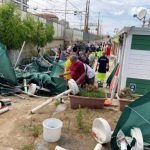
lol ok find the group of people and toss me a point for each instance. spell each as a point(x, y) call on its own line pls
point(82, 64)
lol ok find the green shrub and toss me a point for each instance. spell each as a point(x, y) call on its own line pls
point(92, 91)
point(127, 94)
point(14, 30)
point(36, 130)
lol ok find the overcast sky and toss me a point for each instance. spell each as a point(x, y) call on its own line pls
point(113, 13)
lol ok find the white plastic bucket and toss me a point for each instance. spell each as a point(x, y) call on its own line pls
point(32, 89)
point(52, 129)
point(101, 130)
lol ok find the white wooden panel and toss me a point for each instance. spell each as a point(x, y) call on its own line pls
point(138, 64)
point(139, 72)
point(141, 76)
point(125, 59)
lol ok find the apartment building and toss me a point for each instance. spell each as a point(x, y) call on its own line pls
point(21, 4)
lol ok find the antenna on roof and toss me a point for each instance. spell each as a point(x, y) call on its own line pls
point(141, 16)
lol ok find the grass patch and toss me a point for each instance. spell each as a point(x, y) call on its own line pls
point(82, 120)
point(28, 147)
point(79, 118)
point(36, 130)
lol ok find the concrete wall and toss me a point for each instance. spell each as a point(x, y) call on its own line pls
point(90, 37)
point(77, 35)
point(69, 35)
point(31, 51)
point(59, 31)
point(73, 35)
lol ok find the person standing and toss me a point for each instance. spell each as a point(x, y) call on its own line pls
point(108, 49)
point(91, 59)
point(67, 67)
point(102, 67)
point(75, 48)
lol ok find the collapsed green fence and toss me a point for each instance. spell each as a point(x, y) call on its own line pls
point(7, 73)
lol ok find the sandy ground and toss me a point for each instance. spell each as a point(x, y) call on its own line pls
point(17, 126)
point(21, 130)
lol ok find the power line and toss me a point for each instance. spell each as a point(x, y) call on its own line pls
point(73, 5)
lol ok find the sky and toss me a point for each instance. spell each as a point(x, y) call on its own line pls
point(114, 14)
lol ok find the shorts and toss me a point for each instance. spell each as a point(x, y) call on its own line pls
point(100, 76)
point(91, 80)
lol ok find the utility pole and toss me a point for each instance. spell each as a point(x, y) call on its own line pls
point(98, 28)
point(65, 24)
point(81, 22)
point(87, 16)
point(65, 12)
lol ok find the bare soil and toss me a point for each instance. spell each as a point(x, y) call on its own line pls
point(21, 130)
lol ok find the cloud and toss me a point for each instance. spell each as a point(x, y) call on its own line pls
point(118, 13)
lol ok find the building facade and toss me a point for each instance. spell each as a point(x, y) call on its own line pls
point(21, 4)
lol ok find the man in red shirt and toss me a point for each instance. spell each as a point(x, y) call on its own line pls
point(76, 70)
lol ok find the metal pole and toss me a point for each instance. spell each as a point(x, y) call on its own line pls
point(65, 24)
point(98, 23)
point(85, 22)
point(88, 15)
point(81, 22)
point(65, 11)
point(50, 100)
point(20, 53)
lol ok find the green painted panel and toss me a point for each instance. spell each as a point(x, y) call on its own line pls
point(142, 86)
point(141, 42)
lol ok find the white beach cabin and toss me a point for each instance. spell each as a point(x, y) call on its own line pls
point(134, 58)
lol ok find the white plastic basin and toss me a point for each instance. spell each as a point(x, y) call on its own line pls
point(102, 130)
point(52, 129)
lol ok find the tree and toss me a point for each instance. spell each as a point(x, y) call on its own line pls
point(11, 27)
point(14, 30)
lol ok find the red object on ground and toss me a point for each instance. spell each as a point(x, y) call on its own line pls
point(93, 134)
point(108, 102)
